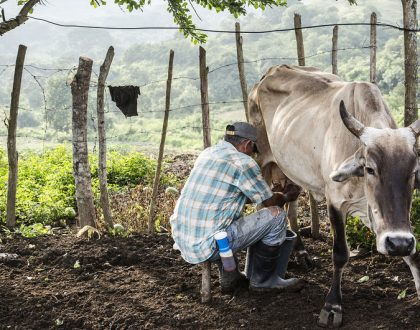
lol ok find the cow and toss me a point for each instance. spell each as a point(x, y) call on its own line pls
point(338, 139)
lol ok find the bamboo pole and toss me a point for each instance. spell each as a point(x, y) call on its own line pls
point(162, 143)
point(299, 40)
point(204, 98)
point(103, 184)
point(373, 48)
point(334, 50)
point(11, 139)
point(241, 69)
point(81, 168)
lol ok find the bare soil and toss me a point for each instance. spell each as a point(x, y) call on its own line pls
point(64, 282)
point(140, 282)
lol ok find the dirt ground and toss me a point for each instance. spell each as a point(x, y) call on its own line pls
point(140, 282)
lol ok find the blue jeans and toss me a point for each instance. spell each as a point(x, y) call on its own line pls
point(259, 226)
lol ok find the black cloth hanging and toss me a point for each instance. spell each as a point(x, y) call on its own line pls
point(126, 98)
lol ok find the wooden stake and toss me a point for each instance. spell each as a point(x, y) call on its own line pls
point(299, 40)
point(241, 69)
point(205, 282)
point(162, 143)
point(81, 168)
point(410, 61)
point(103, 74)
point(373, 48)
point(204, 98)
point(334, 50)
point(11, 139)
point(301, 60)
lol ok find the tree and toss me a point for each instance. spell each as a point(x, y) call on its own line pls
point(21, 18)
point(180, 10)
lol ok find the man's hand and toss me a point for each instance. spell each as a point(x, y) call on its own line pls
point(288, 194)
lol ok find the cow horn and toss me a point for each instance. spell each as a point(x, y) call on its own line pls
point(415, 127)
point(352, 124)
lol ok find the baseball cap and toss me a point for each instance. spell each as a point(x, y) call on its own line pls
point(242, 129)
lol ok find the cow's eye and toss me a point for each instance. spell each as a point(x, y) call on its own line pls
point(370, 171)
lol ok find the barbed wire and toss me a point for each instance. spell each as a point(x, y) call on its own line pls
point(211, 70)
point(387, 25)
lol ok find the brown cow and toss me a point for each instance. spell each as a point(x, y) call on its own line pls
point(357, 158)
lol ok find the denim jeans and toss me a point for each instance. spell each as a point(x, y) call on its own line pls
point(259, 226)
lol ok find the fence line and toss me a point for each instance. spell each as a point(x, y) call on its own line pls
point(396, 27)
point(211, 70)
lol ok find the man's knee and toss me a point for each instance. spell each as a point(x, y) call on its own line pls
point(275, 210)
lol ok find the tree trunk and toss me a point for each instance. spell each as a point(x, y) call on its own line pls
point(102, 137)
point(81, 169)
point(410, 60)
point(19, 19)
point(11, 139)
point(162, 143)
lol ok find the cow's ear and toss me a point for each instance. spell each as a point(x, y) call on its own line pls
point(352, 166)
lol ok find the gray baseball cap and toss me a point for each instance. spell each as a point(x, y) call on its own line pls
point(242, 129)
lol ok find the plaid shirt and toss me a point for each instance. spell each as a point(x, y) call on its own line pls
point(213, 196)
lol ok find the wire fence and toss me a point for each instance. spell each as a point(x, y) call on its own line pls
point(40, 75)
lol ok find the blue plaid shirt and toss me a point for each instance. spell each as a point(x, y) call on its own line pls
point(213, 196)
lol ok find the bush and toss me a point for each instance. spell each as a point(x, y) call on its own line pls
point(359, 235)
point(46, 188)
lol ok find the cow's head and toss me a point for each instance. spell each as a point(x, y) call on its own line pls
point(388, 162)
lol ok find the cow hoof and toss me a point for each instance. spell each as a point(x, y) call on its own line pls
point(330, 317)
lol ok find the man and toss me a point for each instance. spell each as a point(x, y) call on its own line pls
point(223, 179)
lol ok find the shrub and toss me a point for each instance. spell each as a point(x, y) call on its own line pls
point(46, 188)
point(359, 235)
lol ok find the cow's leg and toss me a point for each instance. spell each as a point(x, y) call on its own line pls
point(414, 263)
point(303, 257)
point(332, 307)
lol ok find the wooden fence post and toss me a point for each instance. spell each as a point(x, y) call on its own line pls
point(204, 98)
point(334, 50)
point(373, 48)
point(81, 169)
point(299, 40)
point(410, 60)
point(162, 143)
point(103, 74)
point(241, 69)
point(11, 139)
point(301, 61)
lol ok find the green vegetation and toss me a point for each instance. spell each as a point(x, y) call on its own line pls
point(45, 192)
point(358, 235)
